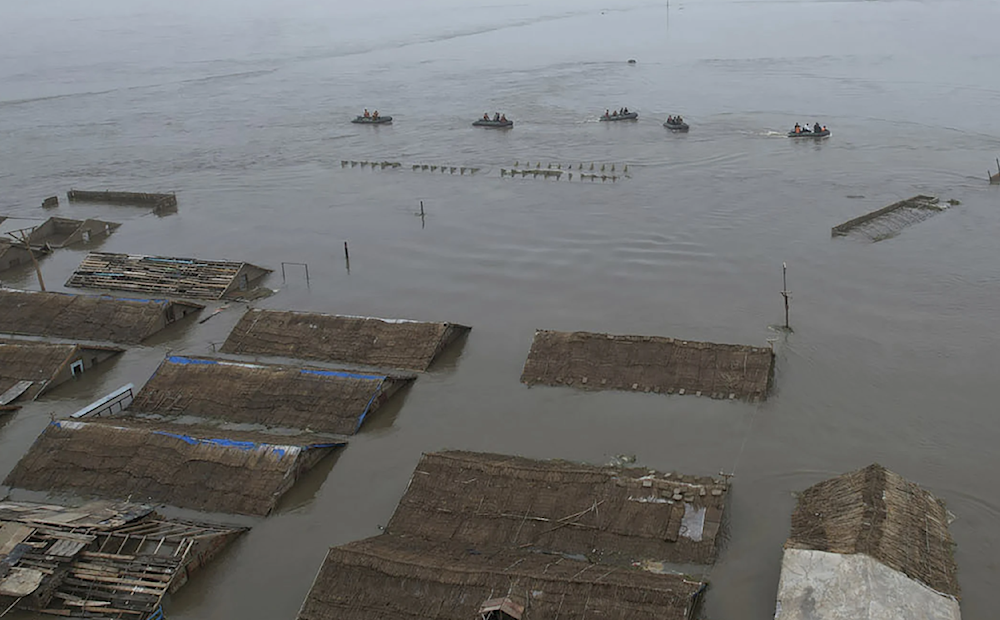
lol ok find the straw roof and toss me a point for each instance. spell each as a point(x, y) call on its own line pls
point(39, 362)
point(164, 276)
point(649, 364)
point(879, 513)
point(82, 317)
point(389, 578)
point(188, 466)
point(31, 361)
point(388, 343)
point(607, 513)
point(330, 401)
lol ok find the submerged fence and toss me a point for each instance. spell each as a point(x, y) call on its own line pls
point(158, 201)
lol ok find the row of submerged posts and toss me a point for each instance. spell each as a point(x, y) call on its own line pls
point(475, 535)
point(594, 172)
point(392, 165)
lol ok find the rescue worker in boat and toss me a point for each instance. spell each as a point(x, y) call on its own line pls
point(367, 115)
point(486, 116)
point(678, 120)
point(503, 118)
point(824, 128)
point(624, 110)
point(496, 116)
point(798, 128)
point(816, 128)
point(375, 115)
point(607, 113)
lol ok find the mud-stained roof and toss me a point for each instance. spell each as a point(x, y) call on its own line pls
point(84, 317)
point(188, 466)
point(165, 276)
point(393, 578)
point(593, 361)
point(37, 362)
point(878, 513)
point(367, 341)
point(321, 400)
point(613, 514)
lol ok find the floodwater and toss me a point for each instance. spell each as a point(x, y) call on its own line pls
point(242, 108)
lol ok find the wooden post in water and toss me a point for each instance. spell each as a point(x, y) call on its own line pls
point(347, 254)
point(38, 270)
point(784, 291)
point(421, 208)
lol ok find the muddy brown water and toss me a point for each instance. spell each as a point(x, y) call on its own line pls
point(244, 112)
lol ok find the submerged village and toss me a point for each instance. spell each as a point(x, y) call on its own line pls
point(474, 536)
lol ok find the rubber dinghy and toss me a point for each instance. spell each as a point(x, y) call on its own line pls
point(810, 134)
point(367, 120)
point(496, 124)
point(631, 116)
point(674, 126)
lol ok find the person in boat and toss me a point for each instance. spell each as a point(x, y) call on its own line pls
point(797, 129)
point(375, 115)
point(496, 116)
point(824, 128)
point(607, 113)
point(486, 116)
point(503, 118)
point(678, 120)
point(817, 128)
point(670, 120)
point(367, 115)
point(625, 110)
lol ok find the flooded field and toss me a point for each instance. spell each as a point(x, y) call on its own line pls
point(243, 111)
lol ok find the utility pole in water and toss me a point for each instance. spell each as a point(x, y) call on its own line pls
point(785, 292)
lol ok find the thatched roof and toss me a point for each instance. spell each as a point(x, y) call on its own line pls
point(387, 343)
point(389, 578)
point(84, 317)
point(113, 561)
point(38, 362)
point(188, 466)
point(165, 276)
point(649, 364)
point(329, 401)
point(879, 513)
point(606, 513)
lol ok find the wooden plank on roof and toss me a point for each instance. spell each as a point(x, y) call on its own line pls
point(11, 535)
point(15, 391)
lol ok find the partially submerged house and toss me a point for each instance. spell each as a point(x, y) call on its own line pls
point(61, 232)
point(889, 221)
point(367, 341)
point(620, 515)
point(13, 255)
point(29, 368)
point(593, 361)
point(87, 317)
point(493, 537)
point(394, 578)
point(184, 465)
point(167, 276)
point(321, 400)
point(101, 560)
point(868, 544)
